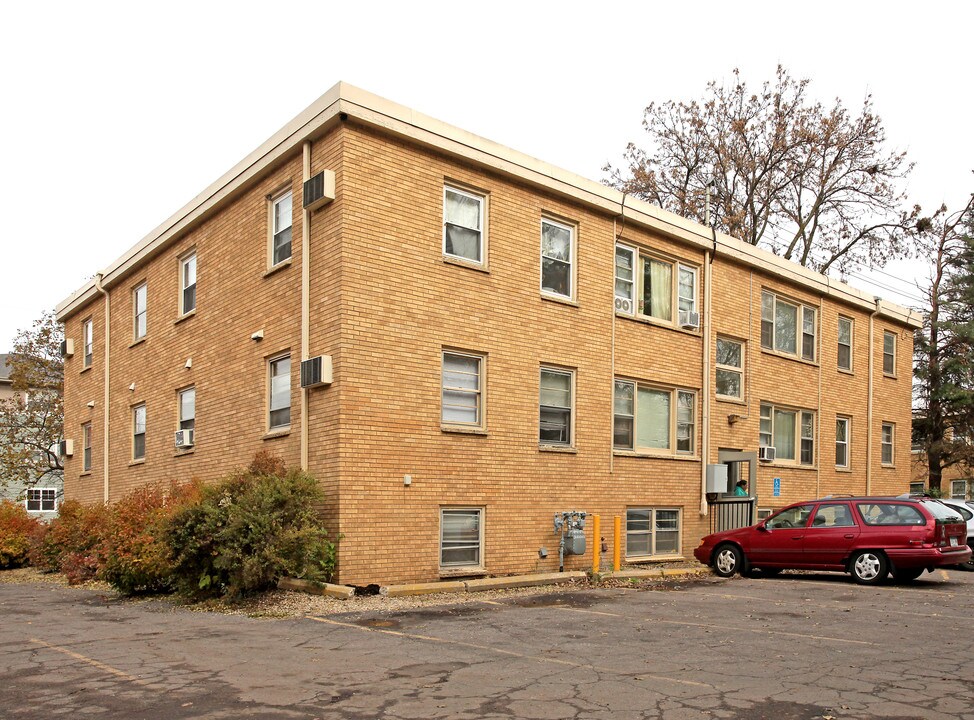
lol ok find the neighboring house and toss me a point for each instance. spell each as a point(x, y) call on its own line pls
point(499, 341)
point(42, 500)
point(956, 481)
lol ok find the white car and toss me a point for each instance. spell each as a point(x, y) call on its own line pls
point(966, 510)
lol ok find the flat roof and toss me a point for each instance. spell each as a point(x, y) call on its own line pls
point(345, 99)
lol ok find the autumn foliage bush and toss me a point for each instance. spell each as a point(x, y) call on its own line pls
point(73, 541)
point(17, 529)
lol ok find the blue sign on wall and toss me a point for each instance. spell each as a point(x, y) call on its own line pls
point(777, 487)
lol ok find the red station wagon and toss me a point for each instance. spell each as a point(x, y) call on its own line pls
point(868, 537)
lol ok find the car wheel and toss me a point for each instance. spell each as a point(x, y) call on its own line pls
point(969, 565)
point(907, 574)
point(728, 559)
point(868, 567)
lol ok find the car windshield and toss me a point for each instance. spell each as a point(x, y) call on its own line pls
point(943, 512)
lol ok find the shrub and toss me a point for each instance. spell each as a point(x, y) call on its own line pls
point(135, 556)
point(16, 531)
point(248, 531)
point(73, 541)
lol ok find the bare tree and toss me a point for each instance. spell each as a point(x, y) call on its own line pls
point(31, 421)
point(812, 183)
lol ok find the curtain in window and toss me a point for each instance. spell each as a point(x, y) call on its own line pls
point(556, 259)
point(785, 327)
point(653, 419)
point(657, 289)
point(784, 434)
point(460, 542)
point(462, 226)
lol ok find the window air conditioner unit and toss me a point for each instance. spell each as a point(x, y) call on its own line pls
point(65, 448)
point(319, 190)
point(689, 320)
point(624, 305)
point(67, 347)
point(766, 454)
point(185, 438)
point(316, 371)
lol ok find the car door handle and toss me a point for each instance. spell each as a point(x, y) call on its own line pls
point(849, 536)
point(798, 537)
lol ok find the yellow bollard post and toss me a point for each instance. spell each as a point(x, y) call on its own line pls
point(596, 544)
point(616, 543)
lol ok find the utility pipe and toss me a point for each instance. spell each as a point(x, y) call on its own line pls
point(705, 387)
point(596, 543)
point(869, 401)
point(108, 346)
point(616, 542)
point(305, 301)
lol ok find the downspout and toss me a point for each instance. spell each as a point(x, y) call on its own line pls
point(705, 389)
point(105, 400)
point(818, 413)
point(305, 302)
point(612, 358)
point(869, 403)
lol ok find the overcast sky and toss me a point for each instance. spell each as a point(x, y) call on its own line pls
point(114, 115)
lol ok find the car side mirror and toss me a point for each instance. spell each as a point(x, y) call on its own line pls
point(763, 528)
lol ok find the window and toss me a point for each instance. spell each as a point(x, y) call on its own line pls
point(890, 514)
point(790, 432)
point(625, 279)
point(187, 280)
point(281, 228)
point(730, 368)
point(41, 499)
point(557, 255)
point(916, 488)
point(88, 333)
point(461, 537)
point(139, 297)
point(845, 343)
point(657, 295)
point(780, 323)
point(830, 515)
point(643, 419)
point(958, 489)
point(138, 432)
point(556, 407)
point(886, 443)
point(279, 403)
point(889, 353)
point(652, 531)
point(462, 397)
point(187, 409)
point(796, 517)
point(86, 447)
point(687, 289)
point(842, 439)
point(463, 222)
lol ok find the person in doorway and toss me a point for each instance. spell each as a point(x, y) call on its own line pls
point(741, 489)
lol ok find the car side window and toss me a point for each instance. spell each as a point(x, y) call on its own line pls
point(836, 515)
point(890, 514)
point(791, 518)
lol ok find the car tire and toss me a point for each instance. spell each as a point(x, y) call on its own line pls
point(728, 559)
point(869, 567)
point(907, 574)
point(969, 565)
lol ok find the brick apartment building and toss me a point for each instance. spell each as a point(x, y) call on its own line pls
point(501, 340)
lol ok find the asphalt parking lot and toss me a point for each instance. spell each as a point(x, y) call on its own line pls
point(789, 648)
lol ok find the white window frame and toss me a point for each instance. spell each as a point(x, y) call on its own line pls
point(622, 299)
point(962, 493)
point(140, 310)
point(183, 422)
point(846, 444)
point(644, 258)
point(917, 488)
point(478, 393)
point(839, 344)
point(271, 409)
point(802, 312)
point(673, 436)
point(185, 263)
point(692, 300)
point(42, 496)
point(86, 447)
point(766, 433)
point(274, 231)
point(571, 259)
point(136, 432)
point(481, 521)
point(570, 408)
point(482, 230)
point(88, 340)
point(891, 444)
point(891, 355)
point(731, 369)
point(653, 532)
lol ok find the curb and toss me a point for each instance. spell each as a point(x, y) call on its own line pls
point(422, 588)
point(342, 592)
point(519, 581)
point(655, 573)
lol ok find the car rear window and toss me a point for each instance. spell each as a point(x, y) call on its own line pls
point(963, 511)
point(881, 513)
point(943, 512)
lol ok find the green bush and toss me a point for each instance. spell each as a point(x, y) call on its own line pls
point(73, 541)
point(135, 556)
point(17, 528)
point(248, 531)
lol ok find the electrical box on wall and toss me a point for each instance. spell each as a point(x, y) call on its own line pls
point(717, 479)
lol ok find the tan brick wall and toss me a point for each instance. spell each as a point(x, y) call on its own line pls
point(385, 303)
